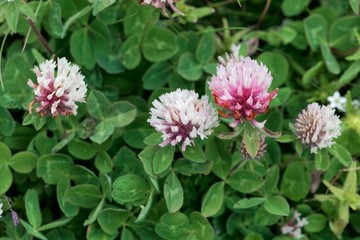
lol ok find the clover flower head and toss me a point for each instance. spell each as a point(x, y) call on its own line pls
point(181, 117)
point(162, 4)
point(57, 91)
point(337, 101)
point(1, 210)
point(259, 154)
point(293, 227)
point(15, 218)
point(240, 88)
point(317, 126)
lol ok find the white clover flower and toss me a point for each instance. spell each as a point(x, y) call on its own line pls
point(58, 91)
point(162, 4)
point(317, 126)
point(1, 210)
point(293, 227)
point(337, 101)
point(181, 117)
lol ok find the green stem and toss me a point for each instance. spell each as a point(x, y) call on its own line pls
point(59, 126)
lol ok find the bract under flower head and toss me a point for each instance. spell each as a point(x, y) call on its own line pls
point(317, 126)
point(162, 4)
point(58, 91)
point(240, 88)
point(181, 117)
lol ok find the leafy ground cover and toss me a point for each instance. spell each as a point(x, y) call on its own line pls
point(185, 119)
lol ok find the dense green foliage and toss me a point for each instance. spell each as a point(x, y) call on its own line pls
point(101, 174)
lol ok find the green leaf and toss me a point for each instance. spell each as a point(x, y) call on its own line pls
point(213, 200)
point(296, 181)
point(23, 162)
point(54, 167)
point(73, 18)
point(130, 188)
point(245, 181)
point(188, 68)
point(341, 33)
point(60, 234)
point(84, 196)
point(126, 234)
point(25, 9)
point(95, 212)
point(341, 154)
point(217, 151)
point(111, 219)
point(130, 52)
point(278, 66)
point(55, 21)
point(322, 160)
point(102, 132)
point(81, 48)
point(315, 30)
point(55, 224)
point(97, 104)
point(286, 138)
point(81, 150)
point(292, 8)
point(248, 202)
point(251, 140)
point(312, 73)
point(32, 231)
point(103, 162)
point(277, 205)
point(173, 193)
point(187, 167)
point(157, 75)
point(206, 48)
point(99, 5)
point(349, 74)
point(317, 223)
point(159, 44)
point(177, 226)
point(17, 71)
point(137, 18)
point(272, 180)
point(5, 154)
point(332, 64)
point(145, 210)
point(283, 95)
point(194, 153)
point(163, 159)
point(7, 123)
point(32, 208)
point(68, 209)
point(355, 6)
point(121, 113)
point(12, 16)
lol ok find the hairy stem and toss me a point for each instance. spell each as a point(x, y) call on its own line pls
point(40, 37)
point(263, 14)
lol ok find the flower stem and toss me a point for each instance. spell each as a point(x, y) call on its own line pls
point(39, 36)
point(59, 126)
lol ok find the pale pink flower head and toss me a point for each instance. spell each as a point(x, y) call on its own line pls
point(181, 117)
point(317, 126)
point(57, 91)
point(162, 4)
point(240, 88)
